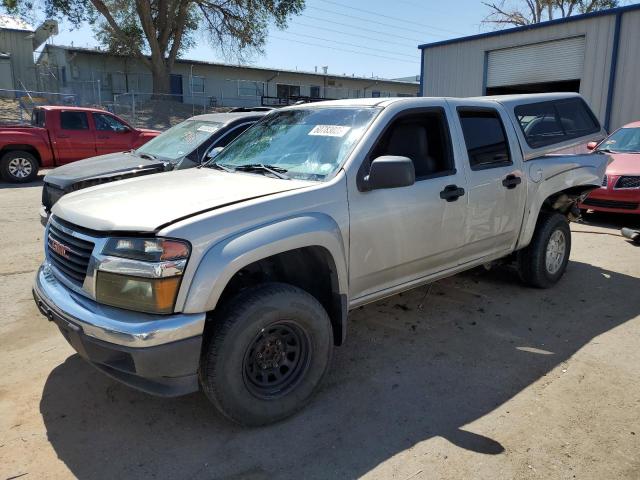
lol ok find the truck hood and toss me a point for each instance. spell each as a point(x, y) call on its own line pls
point(143, 204)
point(624, 164)
point(108, 165)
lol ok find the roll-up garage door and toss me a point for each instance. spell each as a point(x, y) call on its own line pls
point(536, 63)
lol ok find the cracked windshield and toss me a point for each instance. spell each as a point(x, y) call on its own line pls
point(305, 144)
point(181, 140)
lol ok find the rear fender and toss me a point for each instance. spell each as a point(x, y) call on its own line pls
point(553, 174)
point(227, 257)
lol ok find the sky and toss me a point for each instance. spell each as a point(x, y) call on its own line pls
point(359, 37)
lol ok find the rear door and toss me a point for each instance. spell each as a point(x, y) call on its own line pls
point(496, 182)
point(112, 135)
point(74, 138)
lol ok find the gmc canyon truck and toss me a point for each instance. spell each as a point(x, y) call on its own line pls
point(184, 145)
point(237, 278)
point(60, 135)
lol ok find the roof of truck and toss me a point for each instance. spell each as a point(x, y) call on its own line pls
point(69, 108)
point(385, 101)
point(226, 117)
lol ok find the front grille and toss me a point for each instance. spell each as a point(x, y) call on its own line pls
point(594, 202)
point(50, 195)
point(628, 182)
point(68, 253)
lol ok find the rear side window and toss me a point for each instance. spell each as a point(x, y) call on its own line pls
point(74, 121)
point(547, 123)
point(485, 138)
point(37, 117)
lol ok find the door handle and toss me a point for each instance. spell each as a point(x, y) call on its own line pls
point(511, 181)
point(103, 137)
point(63, 136)
point(451, 193)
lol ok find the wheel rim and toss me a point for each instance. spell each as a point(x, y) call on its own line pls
point(276, 360)
point(556, 250)
point(20, 167)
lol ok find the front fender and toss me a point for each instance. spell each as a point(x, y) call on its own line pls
point(224, 259)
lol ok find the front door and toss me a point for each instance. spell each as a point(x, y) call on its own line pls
point(111, 134)
point(175, 81)
point(75, 139)
point(496, 188)
point(402, 235)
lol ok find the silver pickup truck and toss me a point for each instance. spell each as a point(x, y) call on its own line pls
point(237, 278)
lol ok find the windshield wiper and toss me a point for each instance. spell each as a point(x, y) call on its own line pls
point(217, 166)
point(148, 156)
point(260, 167)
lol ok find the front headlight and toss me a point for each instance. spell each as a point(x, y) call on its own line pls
point(141, 274)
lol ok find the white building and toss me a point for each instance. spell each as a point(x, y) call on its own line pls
point(596, 54)
point(84, 72)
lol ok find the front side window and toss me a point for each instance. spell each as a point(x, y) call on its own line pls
point(180, 140)
point(548, 123)
point(422, 137)
point(485, 138)
point(106, 122)
point(74, 121)
point(306, 144)
point(624, 140)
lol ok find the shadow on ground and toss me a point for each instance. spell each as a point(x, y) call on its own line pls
point(407, 373)
point(36, 183)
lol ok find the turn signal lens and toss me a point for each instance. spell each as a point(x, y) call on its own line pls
point(151, 295)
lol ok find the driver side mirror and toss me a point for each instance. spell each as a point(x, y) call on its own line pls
point(592, 145)
point(389, 171)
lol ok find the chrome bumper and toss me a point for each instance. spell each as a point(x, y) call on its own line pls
point(110, 324)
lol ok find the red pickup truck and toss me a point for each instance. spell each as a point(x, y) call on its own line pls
point(59, 135)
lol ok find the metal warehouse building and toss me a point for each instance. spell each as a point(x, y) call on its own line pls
point(596, 54)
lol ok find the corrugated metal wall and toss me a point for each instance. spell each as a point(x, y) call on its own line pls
point(19, 45)
point(457, 69)
point(626, 99)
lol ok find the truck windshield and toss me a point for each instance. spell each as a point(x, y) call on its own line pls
point(306, 143)
point(180, 140)
point(625, 140)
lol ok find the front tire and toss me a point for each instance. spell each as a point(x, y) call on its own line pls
point(18, 167)
point(266, 354)
point(545, 260)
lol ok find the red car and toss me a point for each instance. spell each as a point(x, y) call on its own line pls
point(620, 191)
point(59, 135)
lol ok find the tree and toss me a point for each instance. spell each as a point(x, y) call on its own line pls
point(157, 31)
point(527, 12)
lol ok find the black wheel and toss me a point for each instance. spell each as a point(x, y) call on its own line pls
point(266, 353)
point(18, 167)
point(545, 260)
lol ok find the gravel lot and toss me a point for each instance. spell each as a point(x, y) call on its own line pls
point(473, 377)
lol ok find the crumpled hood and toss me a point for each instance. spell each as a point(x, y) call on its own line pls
point(143, 204)
point(624, 164)
point(101, 166)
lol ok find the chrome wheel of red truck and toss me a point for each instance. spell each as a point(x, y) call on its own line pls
point(19, 167)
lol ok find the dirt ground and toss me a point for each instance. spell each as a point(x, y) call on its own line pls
point(473, 377)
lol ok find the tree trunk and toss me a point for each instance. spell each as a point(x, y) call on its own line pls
point(160, 74)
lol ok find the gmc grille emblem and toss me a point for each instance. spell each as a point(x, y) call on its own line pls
point(59, 248)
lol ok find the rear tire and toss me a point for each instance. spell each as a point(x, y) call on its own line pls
point(18, 167)
point(545, 260)
point(266, 354)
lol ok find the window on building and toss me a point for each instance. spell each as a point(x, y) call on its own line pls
point(106, 122)
point(249, 89)
point(424, 138)
point(63, 76)
point(485, 138)
point(288, 91)
point(74, 121)
point(197, 84)
point(314, 92)
point(547, 123)
point(375, 93)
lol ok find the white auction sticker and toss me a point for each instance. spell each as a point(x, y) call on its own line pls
point(207, 128)
point(329, 130)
